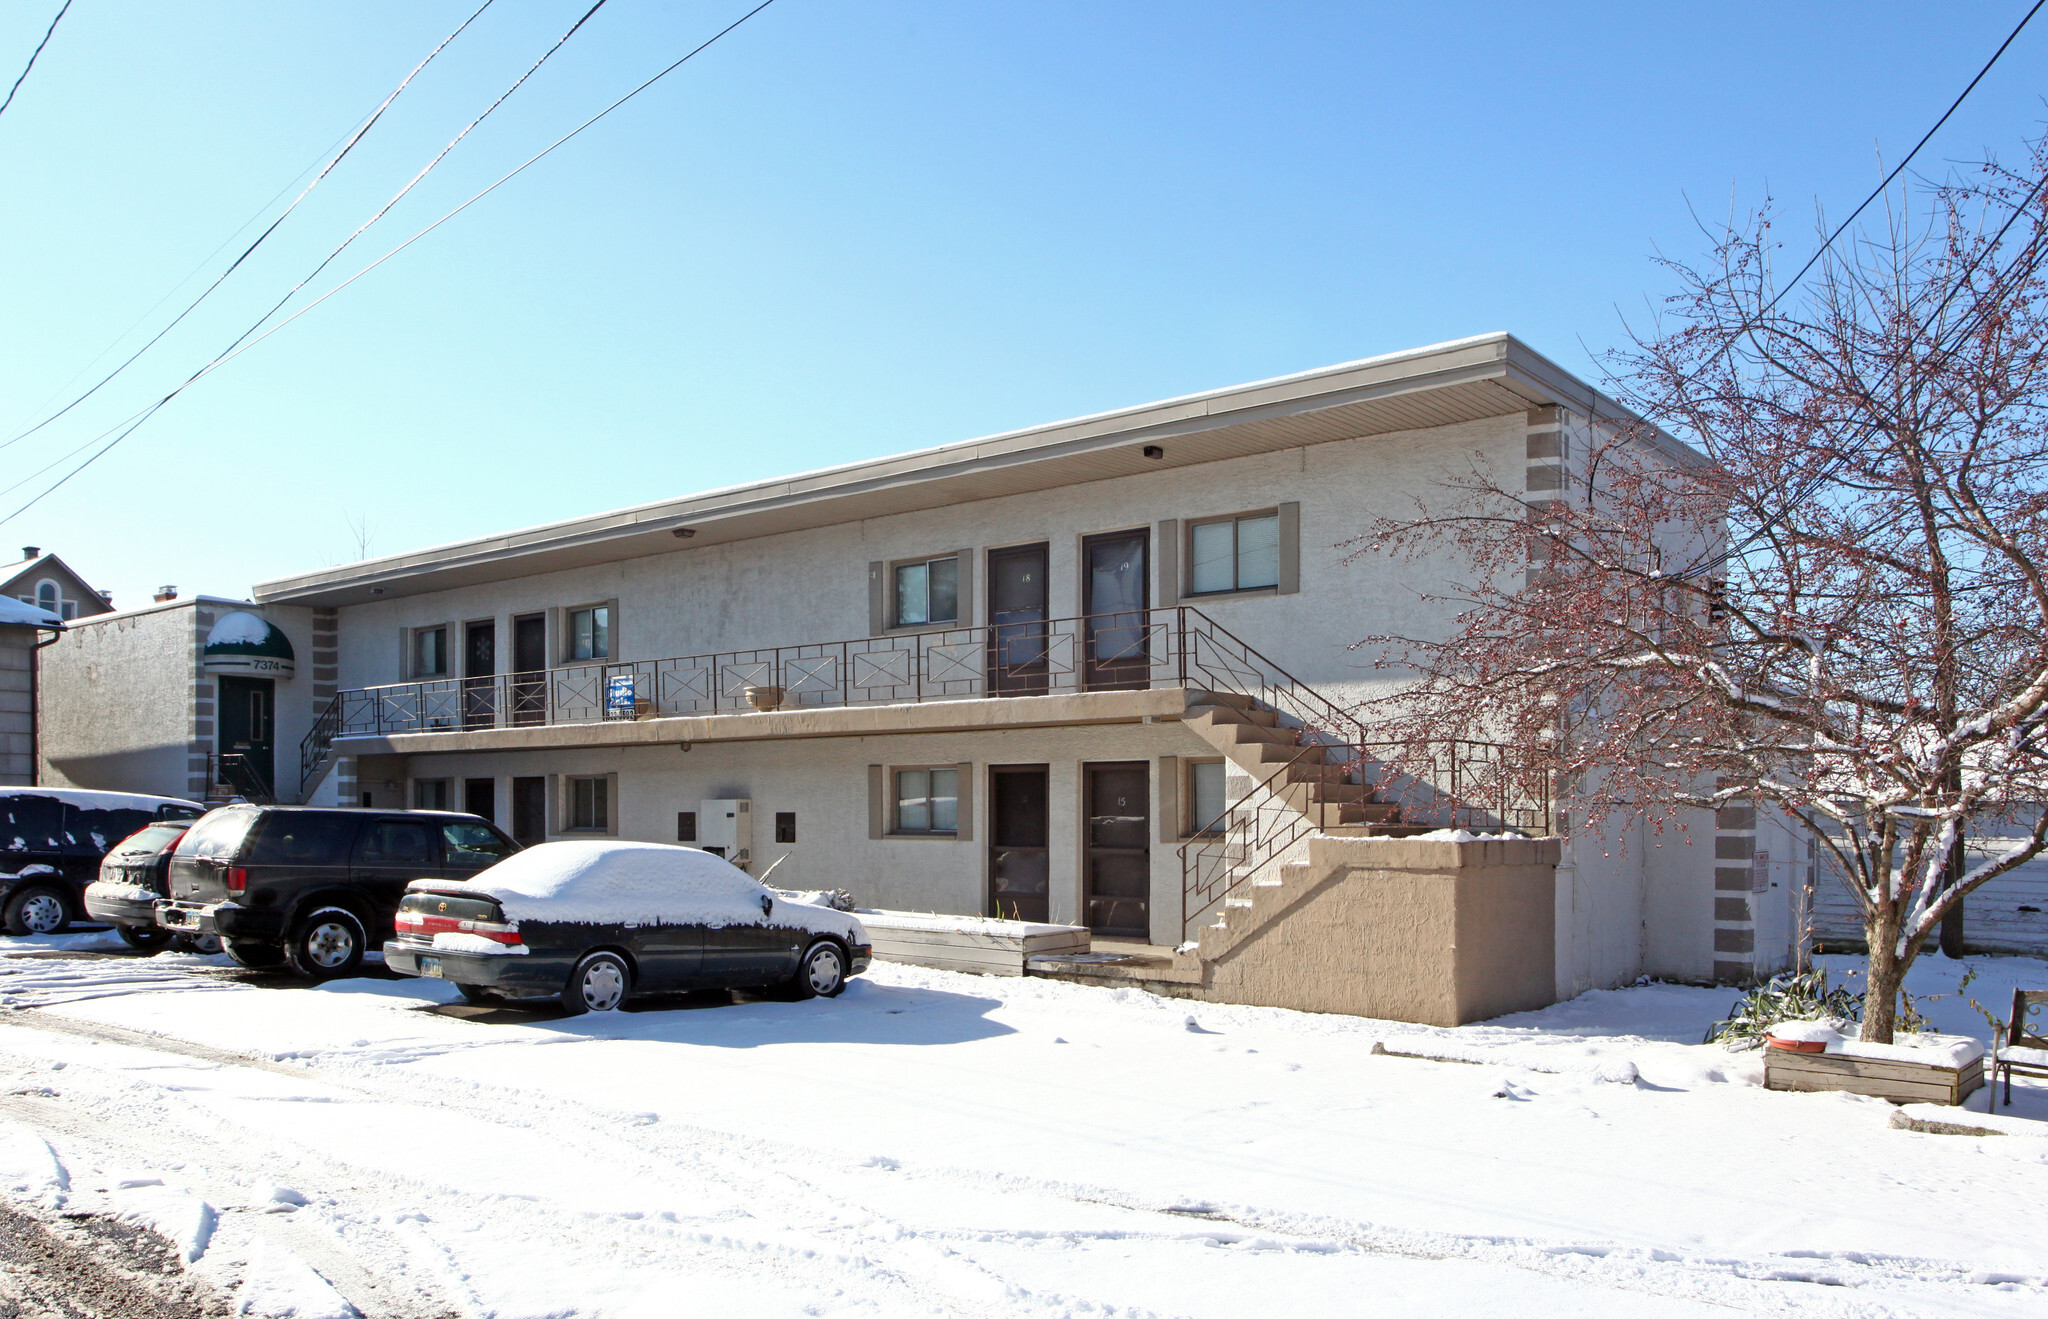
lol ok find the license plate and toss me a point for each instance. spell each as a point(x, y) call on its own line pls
point(431, 966)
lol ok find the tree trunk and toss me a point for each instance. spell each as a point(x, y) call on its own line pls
point(1881, 989)
point(1952, 924)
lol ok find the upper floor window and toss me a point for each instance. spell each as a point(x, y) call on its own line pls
point(590, 633)
point(430, 652)
point(50, 596)
point(928, 591)
point(1234, 554)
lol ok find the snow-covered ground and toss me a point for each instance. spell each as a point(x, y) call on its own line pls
point(934, 1143)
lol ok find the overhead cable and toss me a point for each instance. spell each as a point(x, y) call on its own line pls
point(339, 156)
point(52, 31)
point(238, 347)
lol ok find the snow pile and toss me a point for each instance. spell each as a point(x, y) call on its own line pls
point(1465, 836)
point(455, 941)
point(617, 883)
point(239, 629)
point(834, 899)
point(26, 615)
point(107, 890)
point(1934, 1050)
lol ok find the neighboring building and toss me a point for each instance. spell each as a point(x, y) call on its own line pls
point(24, 631)
point(47, 582)
point(1023, 674)
point(150, 700)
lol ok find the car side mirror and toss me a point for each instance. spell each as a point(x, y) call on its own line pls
point(767, 905)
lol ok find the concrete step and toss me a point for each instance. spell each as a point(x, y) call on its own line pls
point(1273, 753)
point(1232, 699)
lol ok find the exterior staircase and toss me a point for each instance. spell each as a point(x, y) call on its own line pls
point(1328, 791)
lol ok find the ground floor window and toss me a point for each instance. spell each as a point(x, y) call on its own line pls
point(430, 794)
point(590, 803)
point(1206, 800)
point(927, 801)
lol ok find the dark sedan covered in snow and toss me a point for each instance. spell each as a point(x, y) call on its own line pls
point(587, 924)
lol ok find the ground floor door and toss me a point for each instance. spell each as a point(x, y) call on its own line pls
point(248, 727)
point(1116, 879)
point(480, 798)
point(529, 665)
point(529, 811)
point(1017, 870)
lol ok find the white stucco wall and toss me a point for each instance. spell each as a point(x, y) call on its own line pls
point(813, 585)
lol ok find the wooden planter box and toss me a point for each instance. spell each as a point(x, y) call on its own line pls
point(1885, 1078)
point(979, 944)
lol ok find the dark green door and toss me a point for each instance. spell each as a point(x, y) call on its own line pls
point(248, 724)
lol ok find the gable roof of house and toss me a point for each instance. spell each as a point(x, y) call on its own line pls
point(1490, 375)
point(30, 571)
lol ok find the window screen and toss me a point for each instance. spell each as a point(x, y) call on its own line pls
point(1205, 796)
point(928, 592)
point(430, 652)
point(686, 826)
point(589, 804)
point(1235, 554)
point(927, 801)
point(785, 826)
point(590, 633)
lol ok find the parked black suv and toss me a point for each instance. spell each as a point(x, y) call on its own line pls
point(312, 887)
point(51, 842)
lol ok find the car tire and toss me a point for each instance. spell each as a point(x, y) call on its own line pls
point(822, 973)
point(37, 909)
point(599, 983)
point(144, 938)
point(253, 956)
point(206, 945)
point(476, 994)
point(328, 943)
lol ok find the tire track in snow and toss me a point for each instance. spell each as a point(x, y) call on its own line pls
point(624, 1141)
point(744, 1164)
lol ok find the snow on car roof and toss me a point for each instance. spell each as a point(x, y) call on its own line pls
point(94, 799)
point(616, 882)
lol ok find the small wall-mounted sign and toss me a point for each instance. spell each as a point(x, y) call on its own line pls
point(618, 696)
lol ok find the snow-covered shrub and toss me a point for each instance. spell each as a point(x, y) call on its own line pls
point(1801, 996)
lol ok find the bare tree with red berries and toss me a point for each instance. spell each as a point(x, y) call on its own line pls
point(1842, 612)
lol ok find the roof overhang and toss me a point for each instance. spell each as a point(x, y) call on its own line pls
point(1491, 375)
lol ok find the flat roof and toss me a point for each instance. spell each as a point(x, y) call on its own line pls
point(1489, 375)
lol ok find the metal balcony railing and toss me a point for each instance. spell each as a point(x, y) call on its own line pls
point(1169, 647)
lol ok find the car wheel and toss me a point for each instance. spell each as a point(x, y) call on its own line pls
point(328, 943)
point(253, 956)
point(37, 911)
point(822, 973)
point(476, 994)
point(144, 938)
point(599, 983)
point(206, 945)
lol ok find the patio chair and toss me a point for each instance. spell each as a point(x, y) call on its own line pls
point(2024, 1049)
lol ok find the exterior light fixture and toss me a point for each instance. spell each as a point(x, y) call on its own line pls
point(683, 533)
point(1154, 451)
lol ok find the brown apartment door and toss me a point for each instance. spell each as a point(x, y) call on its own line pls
point(529, 810)
point(529, 669)
point(479, 798)
point(1017, 657)
point(479, 667)
point(1116, 881)
point(1017, 871)
point(1114, 598)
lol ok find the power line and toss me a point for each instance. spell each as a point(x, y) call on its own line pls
point(52, 31)
point(339, 156)
point(1878, 191)
point(236, 348)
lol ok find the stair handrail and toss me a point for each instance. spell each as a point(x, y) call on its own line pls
point(1237, 846)
point(1335, 723)
point(318, 742)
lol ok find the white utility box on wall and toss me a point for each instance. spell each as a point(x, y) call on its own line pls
point(725, 827)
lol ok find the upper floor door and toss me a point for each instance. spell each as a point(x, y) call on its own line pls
point(1018, 643)
point(479, 665)
point(1117, 651)
point(529, 665)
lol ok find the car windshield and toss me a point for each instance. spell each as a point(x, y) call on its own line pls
point(153, 839)
point(218, 834)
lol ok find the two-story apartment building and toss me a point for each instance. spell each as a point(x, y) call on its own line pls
point(1099, 671)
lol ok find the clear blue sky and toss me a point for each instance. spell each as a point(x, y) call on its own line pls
point(855, 228)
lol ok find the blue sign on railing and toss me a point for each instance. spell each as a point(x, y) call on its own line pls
point(618, 696)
